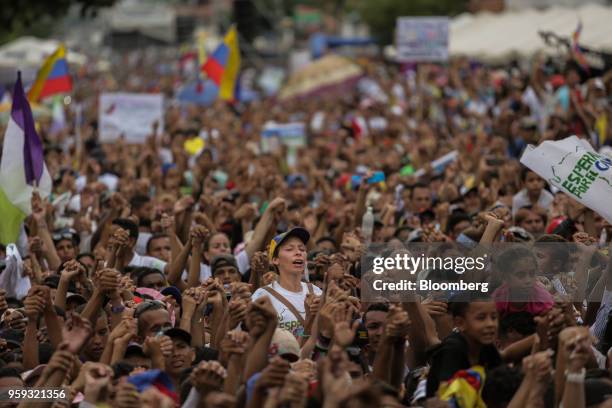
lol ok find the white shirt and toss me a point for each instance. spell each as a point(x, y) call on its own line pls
point(110, 180)
point(141, 243)
point(242, 259)
point(286, 319)
point(521, 199)
point(148, 261)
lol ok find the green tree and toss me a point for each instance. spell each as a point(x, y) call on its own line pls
point(380, 15)
point(20, 17)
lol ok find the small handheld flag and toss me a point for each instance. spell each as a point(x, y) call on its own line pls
point(577, 51)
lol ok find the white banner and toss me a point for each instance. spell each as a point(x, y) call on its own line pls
point(575, 168)
point(422, 39)
point(289, 134)
point(130, 114)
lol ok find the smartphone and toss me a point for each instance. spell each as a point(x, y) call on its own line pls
point(377, 177)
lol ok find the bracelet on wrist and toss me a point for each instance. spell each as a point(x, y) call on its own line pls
point(118, 309)
point(576, 378)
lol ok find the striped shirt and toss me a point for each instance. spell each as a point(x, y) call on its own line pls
point(601, 321)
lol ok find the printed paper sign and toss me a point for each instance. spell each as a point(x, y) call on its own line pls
point(420, 39)
point(129, 114)
point(574, 167)
point(275, 134)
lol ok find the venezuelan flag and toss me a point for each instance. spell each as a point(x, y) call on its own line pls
point(577, 51)
point(223, 65)
point(53, 78)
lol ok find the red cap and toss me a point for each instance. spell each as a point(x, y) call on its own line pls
point(554, 224)
point(557, 81)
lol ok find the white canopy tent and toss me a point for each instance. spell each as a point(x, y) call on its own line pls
point(33, 51)
point(496, 37)
point(27, 54)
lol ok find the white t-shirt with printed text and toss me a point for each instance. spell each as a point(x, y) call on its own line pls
point(286, 319)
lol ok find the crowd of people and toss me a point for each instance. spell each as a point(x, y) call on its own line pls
point(231, 277)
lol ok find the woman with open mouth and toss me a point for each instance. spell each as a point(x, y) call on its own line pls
point(288, 255)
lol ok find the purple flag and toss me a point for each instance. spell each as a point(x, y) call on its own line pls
point(33, 157)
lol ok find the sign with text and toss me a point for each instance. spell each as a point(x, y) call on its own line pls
point(129, 114)
point(572, 166)
point(422, 39)
point(275, 134)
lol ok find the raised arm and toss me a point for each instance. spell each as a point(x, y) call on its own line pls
point(34, 306)
point(70, 272)
point(422, 333)
point(262, 321)
point(39, 215)
point(167, 224)
point(198, 237)
point(233, 347)
point(257, 242)
point(392, 342)
point(108, 280)
point(177, 266)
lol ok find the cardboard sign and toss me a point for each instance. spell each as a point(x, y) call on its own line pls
point(275, 134)
point(573, 166)
point(422, 39)
point(129, 114)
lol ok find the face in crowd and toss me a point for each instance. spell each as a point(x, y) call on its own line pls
point(291, 256)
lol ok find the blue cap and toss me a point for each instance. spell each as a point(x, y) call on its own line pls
point(174, 292)
point(276, 242)
point(294, 178)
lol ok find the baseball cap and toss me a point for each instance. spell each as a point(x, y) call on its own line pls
point(75, 297)
point(557, 81)
point(53, 282)
point(13, 337)
point(66, 233)
point(205, 354)
point(554, 224)
point(176, 333)
point(292, 179)
point(221, 261)
point(521, 234)
point(134, 349)
point(285, 345)
point(278, 240)
point(60, 175)
point(174, 292)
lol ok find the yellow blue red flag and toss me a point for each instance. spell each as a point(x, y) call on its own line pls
point(53, 77)
point(223, 65)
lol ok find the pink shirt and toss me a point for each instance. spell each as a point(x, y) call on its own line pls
point(539, 300)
